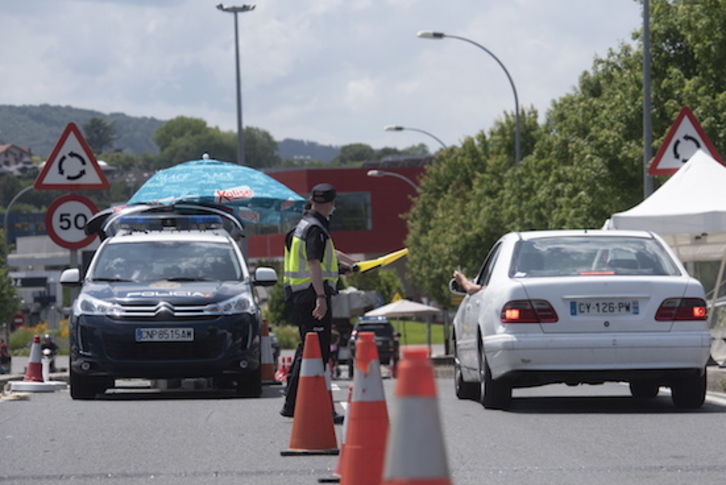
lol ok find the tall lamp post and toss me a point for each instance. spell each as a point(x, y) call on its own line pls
point(647, 108)
point(240, 133)
point(429, 34)
point(401, 128)
point(7, 255)
point(383, 173)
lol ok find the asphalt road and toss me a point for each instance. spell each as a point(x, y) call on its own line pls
point(553, 435)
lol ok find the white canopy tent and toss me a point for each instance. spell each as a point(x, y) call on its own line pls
point(403, 308)
point(406, 308)
point(689, 212)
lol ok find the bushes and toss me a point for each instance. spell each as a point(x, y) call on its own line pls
point(22, 338)
point(287, 335)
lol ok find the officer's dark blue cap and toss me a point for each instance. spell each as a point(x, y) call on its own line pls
point(323, 193)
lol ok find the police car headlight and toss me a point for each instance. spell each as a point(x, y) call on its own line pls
point(87, 305)
point(238, 304)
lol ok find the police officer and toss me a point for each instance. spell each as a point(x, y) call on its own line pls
point(310, 277)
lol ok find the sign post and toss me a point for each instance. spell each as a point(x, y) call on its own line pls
point(71, 166)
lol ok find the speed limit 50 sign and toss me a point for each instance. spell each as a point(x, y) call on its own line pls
point(66, 218)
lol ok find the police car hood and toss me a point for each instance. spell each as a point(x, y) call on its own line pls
point(176, 292)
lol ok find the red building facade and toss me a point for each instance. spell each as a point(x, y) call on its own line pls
point(368, 219)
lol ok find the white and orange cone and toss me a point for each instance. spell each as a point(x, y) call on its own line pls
point(266, 361)
point(367, 418)
point(34, 371)
point(335, 477)
point(415, 451)
point(284, 369)
point(313, 431)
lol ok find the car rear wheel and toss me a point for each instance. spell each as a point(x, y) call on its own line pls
point(464, 390)
point(644, 389)
point(495, 394)
point(689, 392)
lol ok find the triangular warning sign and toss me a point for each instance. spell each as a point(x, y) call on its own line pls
point(683, 140)
point(71, 165)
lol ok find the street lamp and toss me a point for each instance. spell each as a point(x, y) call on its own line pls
point(429, 34)
point(240, 133)
point(7, 256)
point(401, 128)
point(383, 173)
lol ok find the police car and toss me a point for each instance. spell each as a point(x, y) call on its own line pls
point(167, 295)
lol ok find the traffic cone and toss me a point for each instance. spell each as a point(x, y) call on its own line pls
point(34, 371)
point(337, 472)
point(367, 418)
point(415, 451)
point(266, 361)
point(284, 369)
point(313, 432)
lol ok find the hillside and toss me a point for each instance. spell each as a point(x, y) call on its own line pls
point(39, 127)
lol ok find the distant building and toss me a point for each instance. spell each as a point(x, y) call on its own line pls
point(17, 160)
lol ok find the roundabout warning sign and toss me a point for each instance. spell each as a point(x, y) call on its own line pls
point(682, 141)
point(71, 165)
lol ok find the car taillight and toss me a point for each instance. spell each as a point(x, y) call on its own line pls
point(528, 311)
point(682, 309)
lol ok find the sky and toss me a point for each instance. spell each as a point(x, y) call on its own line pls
point(328, 71)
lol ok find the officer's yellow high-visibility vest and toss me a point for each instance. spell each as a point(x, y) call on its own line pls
point(297, 271)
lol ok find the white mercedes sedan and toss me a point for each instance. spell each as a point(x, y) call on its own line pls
point(582, 307)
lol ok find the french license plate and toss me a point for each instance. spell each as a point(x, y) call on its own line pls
point(164, 334)
point(604, 307)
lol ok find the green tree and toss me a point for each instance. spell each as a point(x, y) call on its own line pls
point(385, 282)
point(183, 139)
point(100, 135)
point(354, 153)
point(9, 304)
point(260, 148)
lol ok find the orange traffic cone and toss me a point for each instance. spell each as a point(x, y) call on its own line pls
point(367, 418)
point(266, 361)
point(415, 451)
point(284, 369)
point(313, 432)
point(335, 477)
point(34, 371)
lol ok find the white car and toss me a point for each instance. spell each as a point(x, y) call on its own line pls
point(582, 307)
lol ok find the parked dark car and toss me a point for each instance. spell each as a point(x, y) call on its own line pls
point(386, 340)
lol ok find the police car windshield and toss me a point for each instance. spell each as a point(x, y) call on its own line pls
point(167, 260)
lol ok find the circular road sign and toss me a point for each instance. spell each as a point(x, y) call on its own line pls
point(66, 218)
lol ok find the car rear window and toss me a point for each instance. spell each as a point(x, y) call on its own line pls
point(589, 255)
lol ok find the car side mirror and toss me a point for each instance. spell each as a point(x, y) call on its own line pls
point(455, 287)
point(265, 276)
point(71, 277)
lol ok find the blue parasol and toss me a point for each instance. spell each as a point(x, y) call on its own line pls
point(256, 197)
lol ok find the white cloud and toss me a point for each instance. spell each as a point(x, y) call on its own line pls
point(331, 71)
